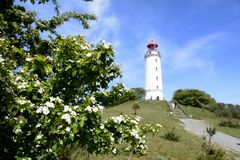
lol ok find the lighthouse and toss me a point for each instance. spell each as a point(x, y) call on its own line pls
point(153, 73)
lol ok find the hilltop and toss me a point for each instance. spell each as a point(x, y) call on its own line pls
point(187, 148)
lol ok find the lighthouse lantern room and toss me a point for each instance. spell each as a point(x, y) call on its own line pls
point(153, 73)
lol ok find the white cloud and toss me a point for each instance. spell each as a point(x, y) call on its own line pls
point(107, 24)
point(105, 27)
point(195, 54)
point(98, 7)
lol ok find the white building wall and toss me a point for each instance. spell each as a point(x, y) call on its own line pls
point(153, 76)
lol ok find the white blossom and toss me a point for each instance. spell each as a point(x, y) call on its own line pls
point(67, 118)
point(39, 110)
point(88, 45)
point(101, 126)
point(22, 101)
point(49, 58)
point(68, 129)
point(22, 85)
point(114, 151)
point(112, 139)
point(18, 130)
point(21, 70)
point(49, 150)
point(49, 104)
point(159, 125)
point(106, 44)
point(89, 109)
point(100, 107)
point(118, 119)
point(40, 90)
point(134, 121)
point(37, 83)
point(18, 78)
point(52, 99)
point(134, 133)
point(45, 110)
point(75, 107)
point(1, 59)
point(73, 113)
point(67, 108)
point(138, 118)
point(28, 59)
point(119, 140)
point(39, 136)
point(94, 109)
point(59, 100)
point(93, 99)
point(38, 125)
point(89, 55)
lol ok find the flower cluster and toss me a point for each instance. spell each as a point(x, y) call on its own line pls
point(51, 102)
point(129, 131)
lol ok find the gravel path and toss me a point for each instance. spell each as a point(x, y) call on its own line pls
point(199, 127)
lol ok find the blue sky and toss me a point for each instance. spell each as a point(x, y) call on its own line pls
point(199, 40)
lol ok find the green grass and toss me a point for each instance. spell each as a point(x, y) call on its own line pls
point(211, 118)
point(188, 147)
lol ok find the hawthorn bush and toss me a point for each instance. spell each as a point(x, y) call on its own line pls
point(47, 90)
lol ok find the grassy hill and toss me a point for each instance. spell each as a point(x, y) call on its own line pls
point(211, 118)
point(188, 148)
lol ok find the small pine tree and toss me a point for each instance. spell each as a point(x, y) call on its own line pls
point(211, 132)
point(135, 107)
point(209, 152)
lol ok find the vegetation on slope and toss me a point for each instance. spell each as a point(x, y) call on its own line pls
point(212, 119)
point(195, 98)
point(200, 105)
point(187, 148)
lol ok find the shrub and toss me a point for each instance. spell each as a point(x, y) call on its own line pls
point(229, 123)
point(195, 98)
point(223, 112)
point(211, 132)
point(117, 95)
point(227, 110)
point(135, 107)
point(47, 90)
point(171, 135)
point(209, 152)
point(140, 92)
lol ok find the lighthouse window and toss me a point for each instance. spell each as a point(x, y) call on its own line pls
point(156, 60)
point(156, 69)
point(157, 78)
point(157, 87)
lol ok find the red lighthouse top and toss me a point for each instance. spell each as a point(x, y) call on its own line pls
point(152, 43)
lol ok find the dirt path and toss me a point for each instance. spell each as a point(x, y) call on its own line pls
point(199, 127)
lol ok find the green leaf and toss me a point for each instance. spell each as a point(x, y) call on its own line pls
point(74, 73)
point(75, 128)
point(82, 121)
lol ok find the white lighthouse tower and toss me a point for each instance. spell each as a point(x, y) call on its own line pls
point(153, 73)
